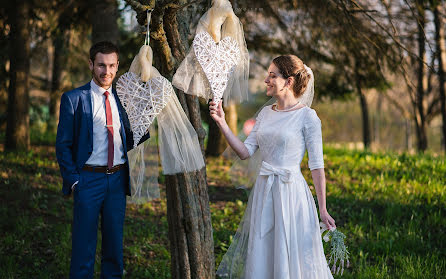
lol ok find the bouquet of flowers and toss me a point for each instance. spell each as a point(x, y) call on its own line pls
point(338, 251)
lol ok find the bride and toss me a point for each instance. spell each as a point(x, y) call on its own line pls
point(279, 236)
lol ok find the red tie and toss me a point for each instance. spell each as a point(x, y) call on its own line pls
point(109, 126)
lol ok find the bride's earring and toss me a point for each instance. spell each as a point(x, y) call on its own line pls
point(286, 86)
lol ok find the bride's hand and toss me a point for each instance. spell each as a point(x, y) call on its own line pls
point(327, 220)
point(217, 112)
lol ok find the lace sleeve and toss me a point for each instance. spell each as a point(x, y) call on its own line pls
point(313, 140)
point(251, 141)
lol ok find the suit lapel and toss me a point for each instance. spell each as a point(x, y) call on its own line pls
point(86, 104)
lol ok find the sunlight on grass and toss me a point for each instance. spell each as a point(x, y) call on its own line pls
point(390, 206)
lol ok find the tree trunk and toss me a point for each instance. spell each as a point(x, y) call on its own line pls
point(441, 54)
point(104, 21)
point(364, 108)
point(60, 59)
point(377, 122)
point(419, 111)
point(17, 131)
point(231, 117)
point(216, 140)
point(408, 135)
point(188, 211)
point(365, 117)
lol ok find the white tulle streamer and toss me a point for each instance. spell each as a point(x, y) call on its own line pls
point(308, 95)
point(179, 149)
point(143, 163)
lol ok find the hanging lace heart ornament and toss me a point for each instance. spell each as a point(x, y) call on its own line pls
point(143, 101)
point(217, 60)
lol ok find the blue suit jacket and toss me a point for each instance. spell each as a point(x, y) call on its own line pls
point(74, 141)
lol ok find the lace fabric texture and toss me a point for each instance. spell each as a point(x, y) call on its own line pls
point(279, 235)
point(191, 79)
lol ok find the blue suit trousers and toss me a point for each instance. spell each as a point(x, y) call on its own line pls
point(104, 195)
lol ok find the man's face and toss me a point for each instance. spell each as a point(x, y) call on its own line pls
point(104, 69)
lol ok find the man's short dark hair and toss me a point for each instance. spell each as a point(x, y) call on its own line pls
point(104, 47)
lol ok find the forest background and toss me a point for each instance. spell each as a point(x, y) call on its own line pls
point(380, 94)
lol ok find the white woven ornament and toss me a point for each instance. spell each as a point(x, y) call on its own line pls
point(142, 101)
point(218, 61)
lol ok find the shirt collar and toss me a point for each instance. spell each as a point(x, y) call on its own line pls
point(99, 90)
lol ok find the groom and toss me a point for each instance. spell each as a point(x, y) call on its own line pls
point(93, 137)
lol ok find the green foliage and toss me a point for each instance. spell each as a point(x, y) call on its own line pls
point(225, 220)
point(39, 118)
point(391, 208)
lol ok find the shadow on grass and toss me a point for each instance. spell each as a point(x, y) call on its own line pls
point(226, 193)
point(386, 239)
point(35, 225)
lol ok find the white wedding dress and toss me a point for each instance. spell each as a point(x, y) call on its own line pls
point(279, 236)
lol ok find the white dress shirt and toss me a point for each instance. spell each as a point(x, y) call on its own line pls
point(99, 156)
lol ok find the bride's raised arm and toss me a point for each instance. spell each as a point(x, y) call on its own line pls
point(236, 144)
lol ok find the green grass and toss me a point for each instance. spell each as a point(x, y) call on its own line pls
point(391, 207)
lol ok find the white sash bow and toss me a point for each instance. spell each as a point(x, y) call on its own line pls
point(285, 176)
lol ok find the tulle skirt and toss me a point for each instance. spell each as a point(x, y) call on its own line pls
point(279, 236)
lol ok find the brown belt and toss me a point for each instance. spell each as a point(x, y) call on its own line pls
point(103, 169)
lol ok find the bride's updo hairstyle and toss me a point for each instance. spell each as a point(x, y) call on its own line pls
point(291, 66)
